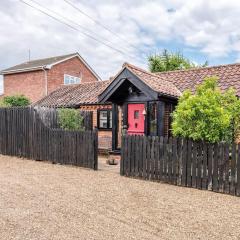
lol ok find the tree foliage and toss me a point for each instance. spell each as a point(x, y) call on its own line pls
point(15, 101)
point(209, 114)
point(70, 119)
point(167, 61)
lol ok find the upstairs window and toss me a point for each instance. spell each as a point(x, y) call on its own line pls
point(105, 119)
point(68, 79)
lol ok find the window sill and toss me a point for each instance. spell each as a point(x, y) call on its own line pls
point(104, 129)
point(69, 84)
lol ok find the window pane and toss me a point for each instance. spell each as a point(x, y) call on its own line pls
point(103, 115)
point(136, 114)
point(77, 80)
point(103, 119)
point(66, 79)
point(153, 119)
point(103, 123)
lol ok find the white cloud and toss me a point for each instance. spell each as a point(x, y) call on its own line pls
point(207, 25)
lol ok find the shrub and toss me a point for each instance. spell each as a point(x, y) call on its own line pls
point(209, 114)
point(2, 104)
point(70, 119)
point(15, 101)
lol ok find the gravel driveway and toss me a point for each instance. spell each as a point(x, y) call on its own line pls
point(39, 200)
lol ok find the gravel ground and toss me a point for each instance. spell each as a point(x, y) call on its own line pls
point(39, 200)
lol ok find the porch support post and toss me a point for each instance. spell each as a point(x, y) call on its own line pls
point(114, 126)
point(125, 116)
point(160, 118)
point(146, 120)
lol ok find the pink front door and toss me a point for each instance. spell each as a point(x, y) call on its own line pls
point(136, 118)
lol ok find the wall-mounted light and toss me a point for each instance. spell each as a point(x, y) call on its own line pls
point(144, 112)
point(130, 90)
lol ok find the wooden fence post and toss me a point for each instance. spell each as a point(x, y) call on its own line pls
point(123, 153)
point(95, 134)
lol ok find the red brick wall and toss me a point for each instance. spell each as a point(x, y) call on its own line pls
point(72, 67)
point(104, 137)
point(32, 84)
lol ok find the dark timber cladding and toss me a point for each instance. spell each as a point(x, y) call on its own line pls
point(23, 134)
point(160, 117)
point(182, 162)
point(128, 88)
point(114, 125)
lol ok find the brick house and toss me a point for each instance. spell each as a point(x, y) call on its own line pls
point(136, 100)
point(36, 79)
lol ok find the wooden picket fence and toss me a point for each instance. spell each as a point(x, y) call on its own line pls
point(182, 162)
point(23, 134)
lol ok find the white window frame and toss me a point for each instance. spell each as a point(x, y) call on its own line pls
point(107, 119)
point(71, 79)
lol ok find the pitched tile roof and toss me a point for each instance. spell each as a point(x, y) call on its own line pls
point(152, 80)
point(229, 76)
point(44, 63)
point(171, 83)
point(37, 64)
point(74, 95)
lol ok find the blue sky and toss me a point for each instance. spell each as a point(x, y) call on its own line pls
point(202, 30)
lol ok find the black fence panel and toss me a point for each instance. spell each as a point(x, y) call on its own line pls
point(183, 162)
point(23, 134)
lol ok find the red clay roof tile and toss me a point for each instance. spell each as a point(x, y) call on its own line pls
point(229, 76)
point(74, 95)
point(171, 83)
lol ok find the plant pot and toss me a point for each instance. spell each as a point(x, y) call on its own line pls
point(112, 161)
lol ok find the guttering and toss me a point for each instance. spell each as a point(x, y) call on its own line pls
point(21, 70)
point(45, 68)
point(165, 95)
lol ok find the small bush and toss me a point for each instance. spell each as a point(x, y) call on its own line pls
point(70, 119)
point(15, 101)
point(2, 104)
point(210, 114)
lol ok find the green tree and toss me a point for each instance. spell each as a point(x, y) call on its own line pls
point(167, 61)
point(70, 119)
point(209, 114)
point(15, 101)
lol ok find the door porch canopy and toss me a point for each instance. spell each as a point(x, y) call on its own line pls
point(133, 84)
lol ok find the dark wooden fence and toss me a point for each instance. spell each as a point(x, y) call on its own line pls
point(201, 165)
point(49, 117)
point(23, 134)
